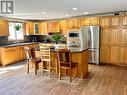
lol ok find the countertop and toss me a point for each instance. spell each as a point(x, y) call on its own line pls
point(73, 50)
point(17, 44)
point(25, 43)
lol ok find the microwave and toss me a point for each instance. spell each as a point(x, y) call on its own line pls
point(73, 34)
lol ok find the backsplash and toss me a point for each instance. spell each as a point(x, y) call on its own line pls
point(3, 39)
point(31, 38)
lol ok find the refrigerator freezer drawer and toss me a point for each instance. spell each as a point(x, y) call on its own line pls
point(94, 56)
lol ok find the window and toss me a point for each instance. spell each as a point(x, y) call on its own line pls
point(15, 35)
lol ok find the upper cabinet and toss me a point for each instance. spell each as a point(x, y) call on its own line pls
point(53, 27)
point(73, 23)
point(105, 21)
point(124, 20)
point(115, 20)
point(70, 23)
point(4, 28)
point(77, 23)
point(110, 21)
point(63, 27)
point(90, 21)
point(43, 28)
point(29, 26)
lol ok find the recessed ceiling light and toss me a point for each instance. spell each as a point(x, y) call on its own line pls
point(59, 17)
point(74, 9)
point(67, 15)
point(43, 13)
point(85, 13)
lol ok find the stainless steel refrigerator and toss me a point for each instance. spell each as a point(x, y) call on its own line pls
point(90, 38)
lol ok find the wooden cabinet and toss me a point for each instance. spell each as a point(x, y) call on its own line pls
point(70, 23)
point(77, 23)
point(90, 21)
point(73, 23)
point(115, 21)
point(8, 55)
point(114, 36)
point(123, 38)
point(124, 20)
point(43, 28)
point(123, 55)
point(4, 28)
point(105, 36)
point(63, 27)
point(104, 54)
point(110, 21)
point(85, 21)
point(29, 26)
point(114, 55)
point(105, 21)
point(53, 27)
point(21, 53)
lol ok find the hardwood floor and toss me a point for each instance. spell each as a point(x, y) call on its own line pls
point(102, 80)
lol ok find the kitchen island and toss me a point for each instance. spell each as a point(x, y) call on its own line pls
point(79, 56)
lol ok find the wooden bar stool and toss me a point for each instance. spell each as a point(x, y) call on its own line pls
point(64, 61)
point(31, 59)
point(46, 58)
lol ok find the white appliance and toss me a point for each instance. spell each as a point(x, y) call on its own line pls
point(89, 36)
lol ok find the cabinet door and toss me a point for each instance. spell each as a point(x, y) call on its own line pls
point(70, 23)
point(115, 20)
point(29, 26)
point(114, 36)
point(123, 38)
point(43, 28)
point(105, 36)
point(10, 55)
point(124, 20)
point(53, 27)
point(63, 25)
point(21, 53)
point(105, 21)
point(4, 28)
point(85, 21)
point(104, 53)
point(94, 21)
point(123, 55)
point(114, 55)
point(77, 23)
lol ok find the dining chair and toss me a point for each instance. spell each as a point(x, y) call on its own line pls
point(31, 59)
point(65, 62)
point(48, 63)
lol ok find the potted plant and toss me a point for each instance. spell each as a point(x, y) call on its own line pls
point(17, 28)
point(57, 38)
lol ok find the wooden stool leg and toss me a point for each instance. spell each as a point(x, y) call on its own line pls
point(59, 74)
point(36, 67)
point(70, 75)
point(42, 67)
point(27, 67)
point(49, 69)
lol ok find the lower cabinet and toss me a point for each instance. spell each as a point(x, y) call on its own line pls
point(114, 55)
point(9, 55)
point(123, 55)
point(104, 54)
point(110, 54)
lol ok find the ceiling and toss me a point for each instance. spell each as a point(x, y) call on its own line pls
point(54, 9)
